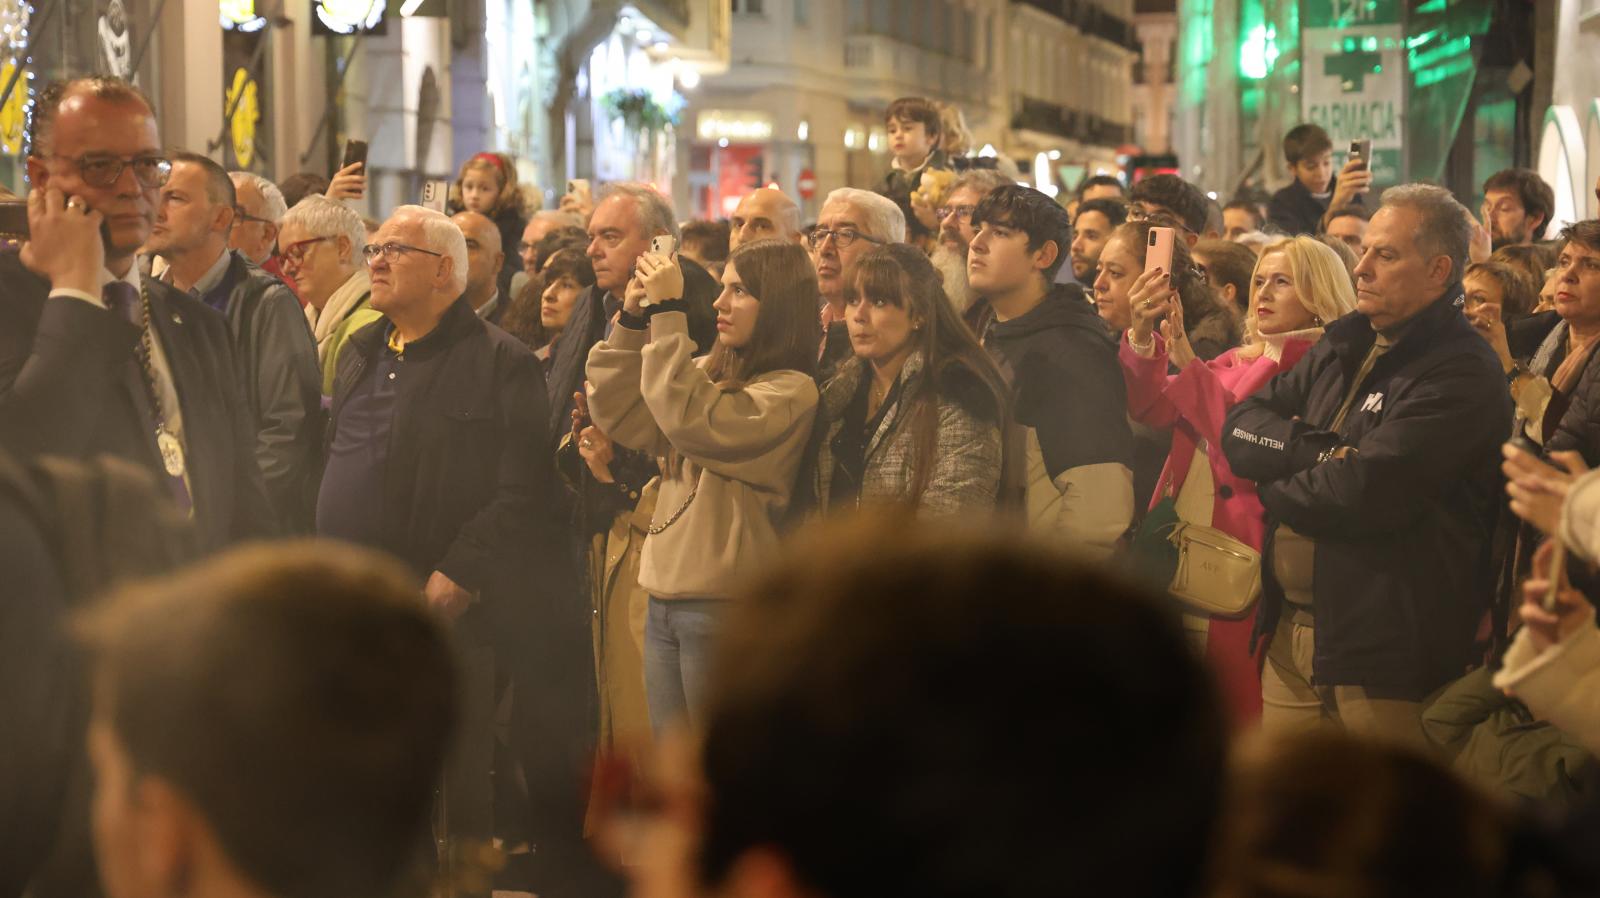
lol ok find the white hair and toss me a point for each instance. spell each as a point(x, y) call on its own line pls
point(272, 205)
point(881, 218)
point(322, 217)
point(562, 219)
point(441, 235)
point(655, 213)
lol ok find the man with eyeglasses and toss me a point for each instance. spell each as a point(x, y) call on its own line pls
point(278, 361)
point(852, 223)
point(322, 240)
point(439, 454)
point(956, 233)
point(1173, 196)
point(96, 358)
point(258, 218)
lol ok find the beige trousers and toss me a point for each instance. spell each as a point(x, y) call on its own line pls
point(1291, 704)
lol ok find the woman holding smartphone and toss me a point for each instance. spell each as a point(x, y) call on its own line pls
point(730, 430)
point(1298, 286)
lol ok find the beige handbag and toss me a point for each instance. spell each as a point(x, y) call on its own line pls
point(1217, 574)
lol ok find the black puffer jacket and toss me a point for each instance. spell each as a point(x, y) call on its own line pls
point(1401, 572)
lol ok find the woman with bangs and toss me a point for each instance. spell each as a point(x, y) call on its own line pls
point(1299, 285)
point(917, 419)
point(730, 430)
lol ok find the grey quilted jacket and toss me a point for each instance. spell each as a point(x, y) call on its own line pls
point(966, 473)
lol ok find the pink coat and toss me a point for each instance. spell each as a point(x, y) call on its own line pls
point(1192, 404)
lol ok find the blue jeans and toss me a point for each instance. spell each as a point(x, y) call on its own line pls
point(678, 636)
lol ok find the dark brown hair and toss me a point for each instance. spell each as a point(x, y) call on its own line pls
point(956, 367)
point(1535, 195)
point(862, 718)
point(523, 318)
point(1305, 141)
point(1229, 263)
point(219, 187)
point(1534, 259)
point(916, 109)
point(788, 330)
point(1518, 292)
point(710, 236)
point(299, 694)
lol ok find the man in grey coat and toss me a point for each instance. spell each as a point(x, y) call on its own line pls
point(276, 356)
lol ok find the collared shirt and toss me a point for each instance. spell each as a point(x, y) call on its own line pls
point(487, 309)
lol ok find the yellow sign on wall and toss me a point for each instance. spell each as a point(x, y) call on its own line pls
point(242, 99)
point(12, 118)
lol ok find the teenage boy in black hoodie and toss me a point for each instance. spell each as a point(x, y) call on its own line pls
point(1299, 208)
point(1067, 387)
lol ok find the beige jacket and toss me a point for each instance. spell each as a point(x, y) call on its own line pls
point(742, 450)
point(1560, 684)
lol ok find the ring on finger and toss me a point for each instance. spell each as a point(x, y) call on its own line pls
point(77, 203)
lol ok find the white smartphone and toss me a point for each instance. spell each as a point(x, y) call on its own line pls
point(435, 195)
point(579, 187)
point(663, 245)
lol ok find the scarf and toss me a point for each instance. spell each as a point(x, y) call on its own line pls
point(1567, 373)
point(1271, 345)
point(351, 294)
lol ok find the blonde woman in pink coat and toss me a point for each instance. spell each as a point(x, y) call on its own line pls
point(1298, 286)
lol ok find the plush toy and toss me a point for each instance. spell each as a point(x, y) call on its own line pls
point(934, 188)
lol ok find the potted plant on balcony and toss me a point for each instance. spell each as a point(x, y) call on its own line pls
point(646, 125)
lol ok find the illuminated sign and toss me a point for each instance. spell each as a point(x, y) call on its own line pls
point(240, 15)
point(734, 127)
point(244, 100)
point(347, 16)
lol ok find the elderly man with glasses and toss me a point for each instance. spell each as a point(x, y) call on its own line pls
point(322, 242)
point(851, 224)
point(438, 454)
point(97, 358)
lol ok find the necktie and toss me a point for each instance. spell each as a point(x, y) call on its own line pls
point(122, 298)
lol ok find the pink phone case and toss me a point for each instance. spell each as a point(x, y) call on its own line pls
point(1159, 253)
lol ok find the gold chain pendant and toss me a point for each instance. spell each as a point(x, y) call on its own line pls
point(171, 452)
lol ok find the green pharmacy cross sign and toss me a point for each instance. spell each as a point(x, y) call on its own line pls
point(1352, 77)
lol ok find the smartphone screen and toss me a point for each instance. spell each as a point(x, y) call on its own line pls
point(13, 222)
point(354, 151)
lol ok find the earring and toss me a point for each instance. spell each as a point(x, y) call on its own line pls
point(1316, 320)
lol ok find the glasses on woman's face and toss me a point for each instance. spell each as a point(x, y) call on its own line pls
point(296, 252)
point(392, 252)
point(103, 169)
point(841, 238)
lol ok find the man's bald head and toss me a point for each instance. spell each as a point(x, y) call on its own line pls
point(484, 255)
point(765, 214)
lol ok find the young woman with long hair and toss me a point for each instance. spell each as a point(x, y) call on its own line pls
point(1298, 286)
point(730, 430)
point(918, 418)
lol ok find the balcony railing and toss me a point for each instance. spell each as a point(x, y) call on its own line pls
point(1091, 19)
point(1032, 114)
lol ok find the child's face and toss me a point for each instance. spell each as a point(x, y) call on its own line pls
point(909, 140)
point(1315, 171)
point(479, 189)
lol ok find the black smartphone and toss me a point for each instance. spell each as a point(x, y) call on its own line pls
point(13, 222)
point(355, 151)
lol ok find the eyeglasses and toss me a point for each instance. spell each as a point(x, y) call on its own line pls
point(962, 213)
point(296, 252)
point(393, 251)
point(99, 170)
point(841, 239)
point(240, 214)
point(524, 247)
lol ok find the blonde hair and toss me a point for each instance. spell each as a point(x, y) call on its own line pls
point(1320, 279)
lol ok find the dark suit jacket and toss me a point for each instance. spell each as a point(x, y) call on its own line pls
point(69, 385)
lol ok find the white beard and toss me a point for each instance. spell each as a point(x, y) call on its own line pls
point(952, 267)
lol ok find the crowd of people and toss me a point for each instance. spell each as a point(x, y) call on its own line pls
point(1281, 509)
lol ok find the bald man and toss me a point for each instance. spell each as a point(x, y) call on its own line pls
point(765, 214)
point(485, 257)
